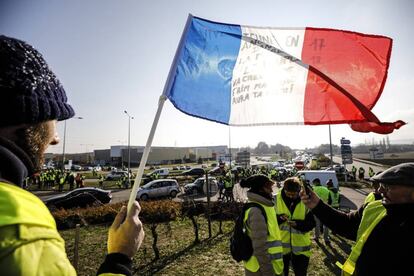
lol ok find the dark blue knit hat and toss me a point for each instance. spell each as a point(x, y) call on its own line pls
point(29, 91)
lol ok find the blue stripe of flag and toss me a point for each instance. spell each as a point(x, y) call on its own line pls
point(202, 81)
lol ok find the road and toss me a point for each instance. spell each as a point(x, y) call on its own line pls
point(361, 163)
point(351, 198)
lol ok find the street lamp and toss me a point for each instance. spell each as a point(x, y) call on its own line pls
point(64, 141)
point(129, 145)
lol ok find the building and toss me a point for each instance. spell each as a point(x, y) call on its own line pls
point(118, 155)
point(102, 157)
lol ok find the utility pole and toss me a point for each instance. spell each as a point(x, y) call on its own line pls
point(129, 146)
point(64, 141)
point(330, 145)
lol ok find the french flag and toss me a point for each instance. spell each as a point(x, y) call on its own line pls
point(248, 76)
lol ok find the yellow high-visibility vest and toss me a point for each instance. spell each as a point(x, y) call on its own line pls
point(373, 213)
point(335, 199)
point(322, 192)
point(273, 243)
point(370, 198)
point(293, 240)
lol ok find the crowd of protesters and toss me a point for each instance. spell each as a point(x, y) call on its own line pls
point(55, 179)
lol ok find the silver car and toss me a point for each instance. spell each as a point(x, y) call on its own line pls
point(159, 188)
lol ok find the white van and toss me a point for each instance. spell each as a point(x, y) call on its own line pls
point(323, 176)
point(160, 172)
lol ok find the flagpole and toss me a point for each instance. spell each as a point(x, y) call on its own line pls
point(231, 176)
point(161, 101)
point(330, 145)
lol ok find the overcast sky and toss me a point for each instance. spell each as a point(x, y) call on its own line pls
point(113, 56)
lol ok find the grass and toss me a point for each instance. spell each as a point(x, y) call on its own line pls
point(180, 256)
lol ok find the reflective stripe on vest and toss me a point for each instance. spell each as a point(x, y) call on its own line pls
point(373, 213)
point(273, 243)
point(293, 240)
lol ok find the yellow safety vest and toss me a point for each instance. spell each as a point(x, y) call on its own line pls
point(373, 213)
point(322, 192)
point(36, 248)
point(293, 240)
point(335, 199)
point(273, 243)
point(370, 198)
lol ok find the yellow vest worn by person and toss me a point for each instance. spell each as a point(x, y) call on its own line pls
point(29, 241)
point(370, 198)
point(293, 240)
point(322, 192)
point(373, 213)
point(273, 243)
point(335, 199)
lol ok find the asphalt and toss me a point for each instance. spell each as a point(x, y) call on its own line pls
point(351, 198)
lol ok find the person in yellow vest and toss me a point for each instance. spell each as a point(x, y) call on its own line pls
point(31, 101)
point(361, 173)
point(354, 171)
point(295, 221)
point(228, 187)
point(334, 195)
point(323, 193)
point(371, 172)
point(382, 229)
point(267, 258)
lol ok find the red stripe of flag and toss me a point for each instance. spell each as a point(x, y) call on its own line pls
point(354, 70)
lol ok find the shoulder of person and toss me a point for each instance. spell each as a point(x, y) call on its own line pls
point(38, 251)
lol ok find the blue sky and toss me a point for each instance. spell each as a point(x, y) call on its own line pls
point(113, 56)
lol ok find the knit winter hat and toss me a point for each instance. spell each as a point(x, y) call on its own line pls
point(255, 182)
point(29, 91)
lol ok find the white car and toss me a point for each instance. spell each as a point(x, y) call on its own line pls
point(159, 172)
point(116, 175)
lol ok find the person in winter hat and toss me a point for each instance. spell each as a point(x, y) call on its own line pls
point(32, 100)
point(267, 258)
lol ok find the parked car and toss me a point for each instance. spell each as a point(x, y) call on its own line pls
point(81, 197)
point(76, 168)
point(159, 188)
point(216, 171)
point(97, 168)
point(337, 168)
point(198, 187)
point(116, 175)
point(194, 172)
point(182, 168)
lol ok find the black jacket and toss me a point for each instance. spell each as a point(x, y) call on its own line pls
point(389, 248)
point(305, 225)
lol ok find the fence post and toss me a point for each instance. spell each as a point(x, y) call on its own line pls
point(208, 205)
point(76, 248)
